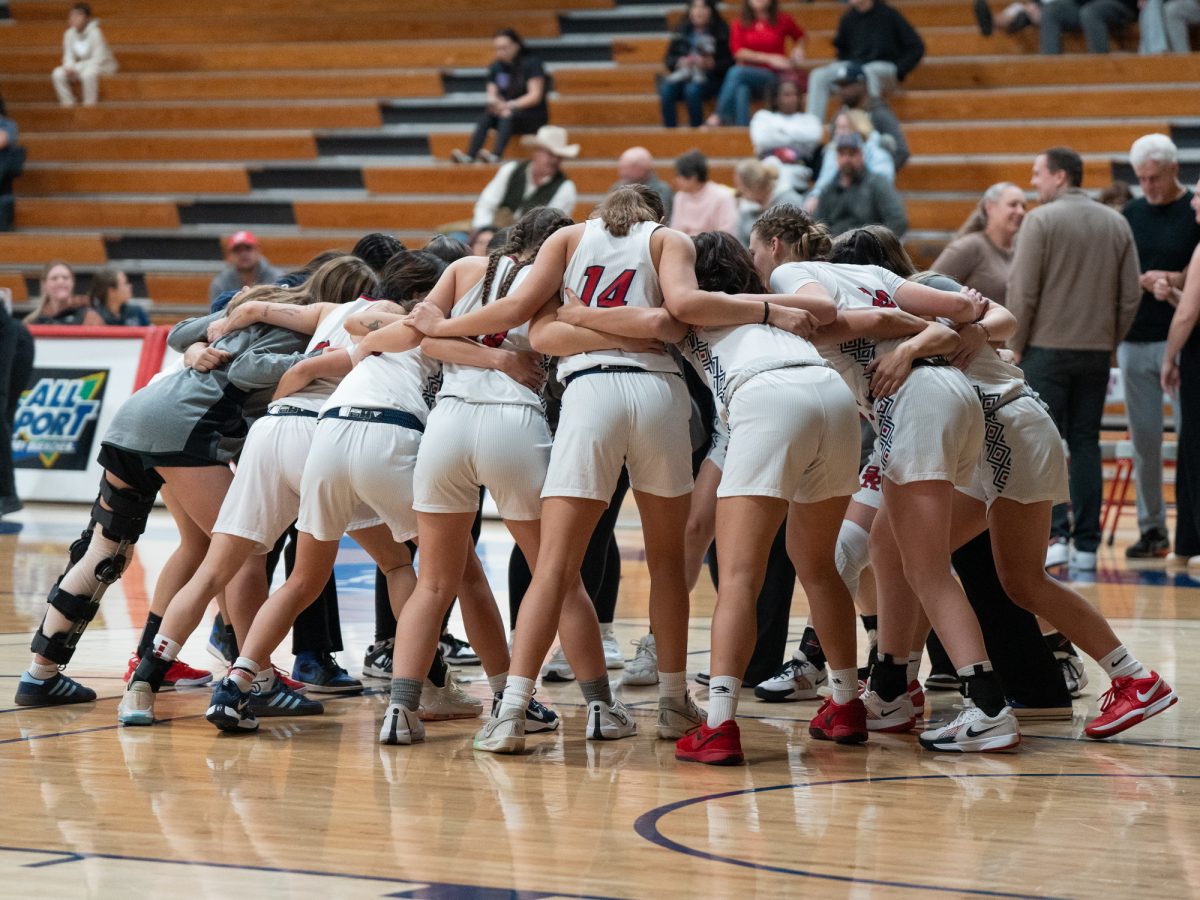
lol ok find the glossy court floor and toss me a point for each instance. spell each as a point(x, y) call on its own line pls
point(316, 806)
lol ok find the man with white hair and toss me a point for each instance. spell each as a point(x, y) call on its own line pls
point(636, 166)
point(1165, 231)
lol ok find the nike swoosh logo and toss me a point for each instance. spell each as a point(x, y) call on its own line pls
point(1142, 698)
point(971, 732)
point(888, 712)
point(1121, 660)
point(708, 740)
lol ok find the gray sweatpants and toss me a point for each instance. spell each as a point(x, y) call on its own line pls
point(1141, 365)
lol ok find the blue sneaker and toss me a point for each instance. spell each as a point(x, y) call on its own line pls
point(321, 674)
point(219, 645)
point(57, 690)
point(230, 709)
point(538, 718)
point(281, 700)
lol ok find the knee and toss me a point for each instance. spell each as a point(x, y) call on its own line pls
point(1022, 587)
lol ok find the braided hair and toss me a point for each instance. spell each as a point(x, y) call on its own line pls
point(525, 239)
point(805, 239)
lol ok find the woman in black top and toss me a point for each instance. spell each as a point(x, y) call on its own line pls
point(697, 59)
point(516, 98)
point(110, 296)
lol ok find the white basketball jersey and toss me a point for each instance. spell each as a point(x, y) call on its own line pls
point(330, 333)
point(405, 381)
point(995, 381)
point(476, 385)
point(607, 271)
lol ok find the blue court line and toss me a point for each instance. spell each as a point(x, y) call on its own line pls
point(646, 827)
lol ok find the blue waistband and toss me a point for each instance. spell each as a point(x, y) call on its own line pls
point(382, 416)
point(291, 411)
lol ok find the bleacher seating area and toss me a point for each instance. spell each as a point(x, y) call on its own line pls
point(313, 122)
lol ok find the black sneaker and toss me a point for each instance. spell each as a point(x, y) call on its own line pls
point(1153, 544)
point(983, 15)
point(321, 674)
point(943, 681)
point(57, 690)
point(456, 652)
point(378, 661)
point(229, 709)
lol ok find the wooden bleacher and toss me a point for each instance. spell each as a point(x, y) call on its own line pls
point(313, 128)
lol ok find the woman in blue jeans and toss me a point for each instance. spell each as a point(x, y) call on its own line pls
point(697, 59)
point(759, 41)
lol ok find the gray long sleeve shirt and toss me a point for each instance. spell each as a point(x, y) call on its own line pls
point(868, 201)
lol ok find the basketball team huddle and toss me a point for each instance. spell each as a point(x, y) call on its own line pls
point(390, 401)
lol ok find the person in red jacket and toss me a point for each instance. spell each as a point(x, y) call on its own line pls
point(759, 41)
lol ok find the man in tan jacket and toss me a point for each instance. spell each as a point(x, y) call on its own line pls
point(1074, 290)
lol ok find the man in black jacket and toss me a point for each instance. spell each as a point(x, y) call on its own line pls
point(878, 38)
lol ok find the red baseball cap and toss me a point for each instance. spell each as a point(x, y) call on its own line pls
point(243, 239)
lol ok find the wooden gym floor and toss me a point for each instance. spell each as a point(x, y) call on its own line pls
point(317, 805)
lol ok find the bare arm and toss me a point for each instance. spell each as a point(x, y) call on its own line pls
point(522, 366)
point(554, 338)
point(333, 363)
point(922, 300)
point(888, 371)
point(394, 338)
point(996, 327)
point(626, 321)
point(378, 316)
point(301, 319)
point(1183, 323)
point(877, 324)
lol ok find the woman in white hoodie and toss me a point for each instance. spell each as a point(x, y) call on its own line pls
point(85, 58)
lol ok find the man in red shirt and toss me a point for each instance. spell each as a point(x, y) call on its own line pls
point(759, 42)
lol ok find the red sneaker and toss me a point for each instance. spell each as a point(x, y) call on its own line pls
point(1128, 702)
point(843, 723)
point(291, 683)
point(918, 698)
point(720, 746)
point(179, 675)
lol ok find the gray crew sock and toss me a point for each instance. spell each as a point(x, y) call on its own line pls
point(597, 689)
point(407, 692)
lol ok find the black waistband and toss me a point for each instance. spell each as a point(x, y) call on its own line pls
point(291, 411)
point(607, 370)
point(382, 416)
point(934, 361)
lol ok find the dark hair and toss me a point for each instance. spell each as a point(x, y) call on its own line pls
point(723, 264)
point(511, 34)
point(805, 238)
point(873, 245)
point(1064, 159)
point(716, 24)
point(1117, 192)
point(376, 248)
point(748, 13)
point(692, 164)
point(3, 108)
point(83, 8)
point(625, 206)
point(446, 248)
point(325, 256)
point(409, 275)
point(499, 238)
point(525, 239)
point(102, 282)
point(772, 98)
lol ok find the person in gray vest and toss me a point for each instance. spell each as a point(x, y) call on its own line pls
point(538, 181)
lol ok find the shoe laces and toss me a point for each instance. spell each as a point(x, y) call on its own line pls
point(644, 650)
point(1116, 690)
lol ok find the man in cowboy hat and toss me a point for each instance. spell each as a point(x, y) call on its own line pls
point(523, 184)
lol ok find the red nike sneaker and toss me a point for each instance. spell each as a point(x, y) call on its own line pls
point(291, 683)
point(1128, 702)
point(720, 746)
point(918, 698)
point(843, 723)
point(179, 675)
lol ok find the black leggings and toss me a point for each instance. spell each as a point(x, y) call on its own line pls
point(1187, 472)
point(318, 629)
point(522, 121)
point(16, 365)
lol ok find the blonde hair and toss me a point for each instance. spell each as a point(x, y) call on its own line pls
point(804, 238)
point(977, 221)
point(625, 206)
point(754, 175)
point(40, 306)
point(270, 293)
point(342, 279)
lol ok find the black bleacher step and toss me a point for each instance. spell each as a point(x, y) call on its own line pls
point(164, 246)
point(607, 23)
point(373, 145)
point(301, 178)
point(556, 50)
point(464, 81)
point(1189, 172)
point(236, 212)
point(1186, 136)
point(442, 111)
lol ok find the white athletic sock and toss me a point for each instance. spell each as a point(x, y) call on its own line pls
point(844, 684)
point(164, 648)
point(265, 680)
point(1121, 663)
point(672, 684)
point(518, 692)
point(242, 672)
point(914, 665)
point(723, 693)
point(41, 673)
point(496, 683)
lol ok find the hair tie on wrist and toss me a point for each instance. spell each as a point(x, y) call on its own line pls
point(766, 311)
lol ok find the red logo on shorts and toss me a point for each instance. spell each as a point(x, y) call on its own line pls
point(870, 478)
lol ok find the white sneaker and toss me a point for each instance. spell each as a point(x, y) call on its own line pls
point(609, 723)
point(892, 716)
point(1083, 560)
point(643, 668)
point(613, 658)
point(538, 717)
point(557, 668)
point(503, 734)
point(137, 705)
point(447, 702)
point(797, 679)
point(401, 726)
point(1058, 554)
point(676, 717)
point(1074, 674)
point(974, 732)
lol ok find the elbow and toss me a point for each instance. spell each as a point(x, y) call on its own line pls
point(826, 312)
point(667, 328)
point(541, 341)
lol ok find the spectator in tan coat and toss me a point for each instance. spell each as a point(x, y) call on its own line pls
point(85, 58)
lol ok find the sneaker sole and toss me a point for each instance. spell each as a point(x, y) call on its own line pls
point(327, 689)
point(1132, 719)
point(463, 662)
point(511, 744)
point(614, 663)
point(848, 738)
point(556, 678)
point(49, 701)
point(532, 726)
point(227, 719)
point(446, 716)
point(988, 745)
point(136, 717)
point(884, 727)
point(714, 758)
point(791, 695)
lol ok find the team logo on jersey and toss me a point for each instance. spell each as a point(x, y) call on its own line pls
point(879, 298)
point(701, 351)
point(56, 419)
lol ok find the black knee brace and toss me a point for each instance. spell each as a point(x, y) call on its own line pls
point(125, 519)
point(60, 647)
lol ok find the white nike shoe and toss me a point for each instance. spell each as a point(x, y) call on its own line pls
point(557, 668)
point(1058, 554)
point(643, 668)
point(503, 734)
point(1074, 675)
point(676, 717)
point(974, 732)
point(401, 725)
point(609, 723)
point(613, 657)
point(137, 705)
point(1083, 560)
point(892, 716)
point(447, 702)
point(797, 679)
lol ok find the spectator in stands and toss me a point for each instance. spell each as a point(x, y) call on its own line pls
point(376, 248)
point(851, 81)
point(85, 57)
point(980, 256)
point(1017, 16)
point(784, 132)
point(1178, 16)
point(758, 187)
point(759, 41)
point(110, 297)
point(516, 98)
point(878, 38)
point(875, 157)
point(636, 166)
point(521, 185)
point(1095, 18)
point(56, 303)
point(701, 205)
point(1117, 195)
point(1152, 28)
point(1166, 234)
point(12, 162)
point(1074, 290)
point(479, 239)
point(16, 365)
point(857, 197)
point(247, 267)
point(697, 59)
